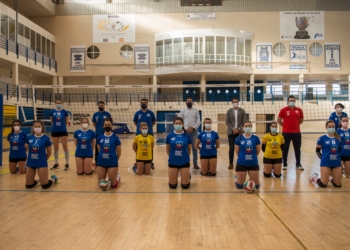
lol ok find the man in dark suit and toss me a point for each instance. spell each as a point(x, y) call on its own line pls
point(235, 118)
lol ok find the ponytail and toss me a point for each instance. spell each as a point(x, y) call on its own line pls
point(337, 136)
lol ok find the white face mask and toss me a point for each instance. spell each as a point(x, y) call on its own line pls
point(16, 128)
point(85, 125)
point(339, 110)
point(207, 126)
point(37, 130)
point(235, 105)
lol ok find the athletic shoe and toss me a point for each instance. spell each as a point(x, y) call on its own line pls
point(196, 166)
point(94, 166)
point(230, 166)
point(55, 166)
point(119, 178)
point(134, 168)
point(330, 178)
point(54, 178)
point(284, 167)
point(66, 167)
point(152, 165)
point(300, 167)
point(313, 178)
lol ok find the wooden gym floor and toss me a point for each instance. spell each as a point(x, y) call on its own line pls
point(143, 213)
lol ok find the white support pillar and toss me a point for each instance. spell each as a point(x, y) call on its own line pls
point(252, 82)
point(242, 91)
point(106, 84)
point(154, 82)
point(301, 86)
point(60, 82)
point(329, 90)
point(203, 83)
point(54, 83)
point(15, 78)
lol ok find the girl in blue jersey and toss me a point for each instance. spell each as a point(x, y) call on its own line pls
point(336, 116)
point(208, 151)
point(109, 148)
point(178, 148)
point(39, 151)
point(84, 140)
point(18, 150)
point(344, 134)
point(330, 159)
point(247, 148)
point(59, 122)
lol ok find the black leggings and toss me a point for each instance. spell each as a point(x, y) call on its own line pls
point(231, 142)
point(296, 140)
point(96, 154)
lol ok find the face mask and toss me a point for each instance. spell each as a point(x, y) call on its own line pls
point(331, 130)
point(248, 130)
point(37, 130)
point(85, 125)
point(178, 127)
point(144, 131)
point(291, 104)
point(345, 124)
point(143, 106)
point(235, 105)
point(16, 128)
point(58, 106)
point(273, 130)
point(339, 110)
point(189, 104)
point(207, 126)
point(107, 129)
point(100, 109)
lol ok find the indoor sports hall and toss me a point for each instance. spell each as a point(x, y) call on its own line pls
point(82, 58)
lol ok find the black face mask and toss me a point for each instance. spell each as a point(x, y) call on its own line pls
point(189, 104)
point(107, 129)
point(100, 109)
point(143, 106)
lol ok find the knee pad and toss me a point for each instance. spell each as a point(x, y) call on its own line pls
point(46, 186)
point(210, 174)
point(277, 175)
point(335, 185)
point(240, 186)
point(80, 173)
point(185, 186)
point(203, 174)
point(90, 172)
point(173, 186)
point(267, 175)
point(33, 185)
point(257, 186)
point(320, 184)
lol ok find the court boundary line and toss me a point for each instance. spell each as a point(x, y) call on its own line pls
point(282, 222)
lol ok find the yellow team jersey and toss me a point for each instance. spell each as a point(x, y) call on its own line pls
point(273, 145)
point(144, 147)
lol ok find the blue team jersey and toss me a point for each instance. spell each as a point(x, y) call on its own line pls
point(178, 148)
point(37, 157)
point(247, 150)
point(107, 157)
point(17, 145)
point(345, 141)
point(59, 120)
point(84, 142)
point(330, 151)
point(147, 117)
point(208, 140)
point(337, 119)
point(99, 118)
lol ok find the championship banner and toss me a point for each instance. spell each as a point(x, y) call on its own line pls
point(113, 28)
point(302, 25)
point(332, 56)
point(264, 56)
point(298, 56)
point(77, 58)
point(201, 16)
point(142, 57)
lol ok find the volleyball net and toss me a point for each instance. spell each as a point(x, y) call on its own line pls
point(262, 102)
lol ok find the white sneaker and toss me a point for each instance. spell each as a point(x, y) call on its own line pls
point(313, 177)
point(300, 167)
point(284, 168)
point(118, 178)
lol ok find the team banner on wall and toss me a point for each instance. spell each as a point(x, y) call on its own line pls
point(298, 56)
point(332, 56)
point(142, 56)
point(264, 56)
point(77, 58)
point(302, 25)
point(201, 16)
point(113, 28)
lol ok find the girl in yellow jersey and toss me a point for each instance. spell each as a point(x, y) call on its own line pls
point(143, 147)
point(272, 146)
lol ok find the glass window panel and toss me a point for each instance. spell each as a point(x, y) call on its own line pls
point(4, 25)
point(248, 47)
point(188, 49)
point(231, 45)
point(20, 29)
point(240, 46)
point(32, 39)
point(159, 48)
point(220, 45)
point(316, 49)
point(43, 45)
point(38, 43)
point(12, 29)
point(209, 45)
point(279, 49)
point(177, 46)
point(53, 50)
point(168, 47)
point(198, 45)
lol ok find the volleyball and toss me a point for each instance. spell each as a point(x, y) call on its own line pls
point(105, 185)
point(249, 186)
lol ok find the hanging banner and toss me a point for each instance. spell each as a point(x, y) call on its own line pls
point(142, 57)
point(332, 56)
point(201, 16)
point(113, 28)
point(298, 56)
point(296, 25)
point(264, 56)
point(77, 58)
